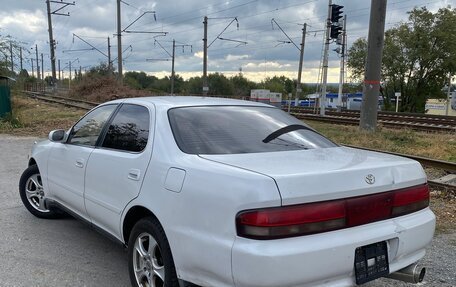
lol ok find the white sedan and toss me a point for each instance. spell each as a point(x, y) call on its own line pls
point(220, 192)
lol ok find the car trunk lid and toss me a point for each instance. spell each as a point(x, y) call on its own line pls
point(328, 173)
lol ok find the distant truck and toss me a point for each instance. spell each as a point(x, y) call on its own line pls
point(266, 96)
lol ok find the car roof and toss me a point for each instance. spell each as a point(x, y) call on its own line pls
point(187, 101)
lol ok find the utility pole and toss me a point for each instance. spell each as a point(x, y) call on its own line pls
point(109, 55)
point(37, 63)
point(11, 55)
point(448, 96)
point(60, 71)
point(325, 62)
point(205, 87)
point(33, 69)
point(69, 80)
point(301, 58)
point(42, 67)
point(172, 68)
point(119, 44)
point(173, 57)
point(20, 56)
point(206, 46)
point(371, 90)
point(51, 36)
point(342, 65)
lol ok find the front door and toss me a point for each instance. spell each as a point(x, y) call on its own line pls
point(67, 161)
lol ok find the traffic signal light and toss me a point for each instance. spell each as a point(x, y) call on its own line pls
point(335, 31)
point(336, 13)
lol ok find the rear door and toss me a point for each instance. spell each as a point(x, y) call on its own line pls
point(67, 161)
point(116, 168)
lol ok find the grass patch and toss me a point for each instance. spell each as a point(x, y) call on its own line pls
point(443, 204)
point(433, 145)
point(35, 118)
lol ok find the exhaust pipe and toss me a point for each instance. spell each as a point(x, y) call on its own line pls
point(413, 273)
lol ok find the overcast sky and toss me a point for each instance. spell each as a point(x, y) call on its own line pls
point(263, 55)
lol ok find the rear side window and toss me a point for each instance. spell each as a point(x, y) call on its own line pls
point(240, 129)
point(129, 129)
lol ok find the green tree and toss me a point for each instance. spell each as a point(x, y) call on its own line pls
point(219, 85)
point(194, 86)
point(241, 85)
point(418, 56)
point(279, 84)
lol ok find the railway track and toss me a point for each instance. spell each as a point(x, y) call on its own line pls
point(68, 102)
point(420, 122)
point(385, 113)
point(393, 123)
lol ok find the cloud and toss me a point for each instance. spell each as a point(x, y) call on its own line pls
point(29, 21)
point(26, 20)
point(265, 65)
point(199, 54)
point(230, 57)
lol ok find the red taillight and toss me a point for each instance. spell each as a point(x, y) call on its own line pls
point(291, 220)
point(410, 200)
point(311, 218)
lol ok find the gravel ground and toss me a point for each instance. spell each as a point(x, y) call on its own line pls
point(66, 252)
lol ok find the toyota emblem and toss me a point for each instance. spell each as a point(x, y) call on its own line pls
point(370, 179)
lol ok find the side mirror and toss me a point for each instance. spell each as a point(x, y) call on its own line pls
point(57, 136)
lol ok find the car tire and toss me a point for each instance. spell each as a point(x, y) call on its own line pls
point(33, 195)
point(150, 261)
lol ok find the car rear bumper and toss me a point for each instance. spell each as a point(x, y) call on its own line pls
point(327, 259)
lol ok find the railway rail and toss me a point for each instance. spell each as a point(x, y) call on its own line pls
point(389, 123)
point(68, 102)
point(407, 117)
point(439, 164)
point(422, 122)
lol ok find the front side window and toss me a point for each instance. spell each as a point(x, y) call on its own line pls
point(129, 129)
point(241, 129)
point(88, 129)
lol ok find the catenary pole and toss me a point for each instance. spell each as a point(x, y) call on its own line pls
point(60, 71)
point(20, 56)
point(37, 63)
point(301, 59)
point(371, 89)
point(109, 55)
point(447, 112)
point(33, 68)
point(172, 68)
point(325, 62)
point(42, 67)
point(69, 79)
point(51, 40)
point(11, 55)
point(205, 87)
point(119, 44)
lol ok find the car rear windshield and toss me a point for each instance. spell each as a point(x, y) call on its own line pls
point(240, 129)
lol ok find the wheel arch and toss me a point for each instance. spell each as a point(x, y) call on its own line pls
point(31, 161)
point(133, 215)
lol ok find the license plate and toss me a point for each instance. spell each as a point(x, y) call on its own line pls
point(371, 262)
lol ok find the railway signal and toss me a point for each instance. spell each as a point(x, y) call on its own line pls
point(336, 13)
point(336, 30)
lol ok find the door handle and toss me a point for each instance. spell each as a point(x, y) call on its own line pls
point(79, 163)
point(134, 174)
